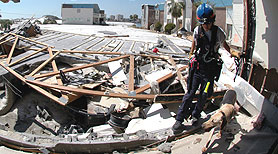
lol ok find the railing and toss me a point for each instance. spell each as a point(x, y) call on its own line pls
point(99, 15)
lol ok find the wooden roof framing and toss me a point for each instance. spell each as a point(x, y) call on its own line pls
point(69, 93)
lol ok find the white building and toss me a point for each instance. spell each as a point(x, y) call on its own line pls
point(238, 23)
point(112, 18)
point(185, 20)
point(119, 17)
point(148, 16)
point(187, 15)
point(87, 14)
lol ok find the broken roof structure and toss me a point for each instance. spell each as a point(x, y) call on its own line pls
point(73, 93)
point(104, 80)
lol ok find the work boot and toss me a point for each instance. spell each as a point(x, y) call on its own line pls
point(178, 127)
point(194, 121)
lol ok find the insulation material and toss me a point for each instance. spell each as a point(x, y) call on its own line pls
point(155, 75)
point(117, 72)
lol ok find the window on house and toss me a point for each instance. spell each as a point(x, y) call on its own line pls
point(229, 31)
point(78, 10)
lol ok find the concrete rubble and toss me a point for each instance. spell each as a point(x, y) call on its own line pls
point(72, 93)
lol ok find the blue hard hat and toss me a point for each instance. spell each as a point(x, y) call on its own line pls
point(205, 14)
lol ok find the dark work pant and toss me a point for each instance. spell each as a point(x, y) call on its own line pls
point(187, 107)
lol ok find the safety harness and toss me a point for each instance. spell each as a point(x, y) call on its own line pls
point(205, 48)
point(205, 57)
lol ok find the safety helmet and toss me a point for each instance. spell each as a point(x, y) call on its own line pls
point(205, 14)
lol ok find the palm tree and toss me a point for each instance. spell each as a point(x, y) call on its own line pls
point(176, 9)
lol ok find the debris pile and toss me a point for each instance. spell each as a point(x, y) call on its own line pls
point(95, 82)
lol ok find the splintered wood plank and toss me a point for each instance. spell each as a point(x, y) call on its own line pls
point(39, 89)
point(131, 74)
point(44, 63)
point(25, 57)
point(142, 89)
point(71, 96)
point(91, 92)
point(12, 51)
point(54, 66)
point(29, 39)
point(7, 40)
point(80, 67)
point(3, 56)
point(6, 35)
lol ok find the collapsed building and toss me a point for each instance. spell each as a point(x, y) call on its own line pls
point(70, 83)
point(70, 93)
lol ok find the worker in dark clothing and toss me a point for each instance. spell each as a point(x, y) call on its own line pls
point(205, 65)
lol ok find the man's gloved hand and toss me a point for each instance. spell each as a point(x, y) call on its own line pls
point(190, 55)
point(235, 53)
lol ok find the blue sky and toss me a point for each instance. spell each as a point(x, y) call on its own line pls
point(28, 8)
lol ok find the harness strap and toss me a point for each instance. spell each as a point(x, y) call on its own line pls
point(201, 33)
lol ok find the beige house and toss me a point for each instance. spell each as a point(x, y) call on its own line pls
point(148, 16)
point(86, 14)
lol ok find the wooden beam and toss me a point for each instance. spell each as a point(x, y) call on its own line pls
point(44, 63)
point(25, 57)
point(12, 51)
point(42, 91)
point(131, 74)
point(142, 89)
point(3, 56)
point(90, 92)
point(4, 36)
point(54, 66)
point(180, 76)
point(110, 53)
point(71, 96)
point(80, 67)
point(29, 39)
point(9, 39)
point(112, 36)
